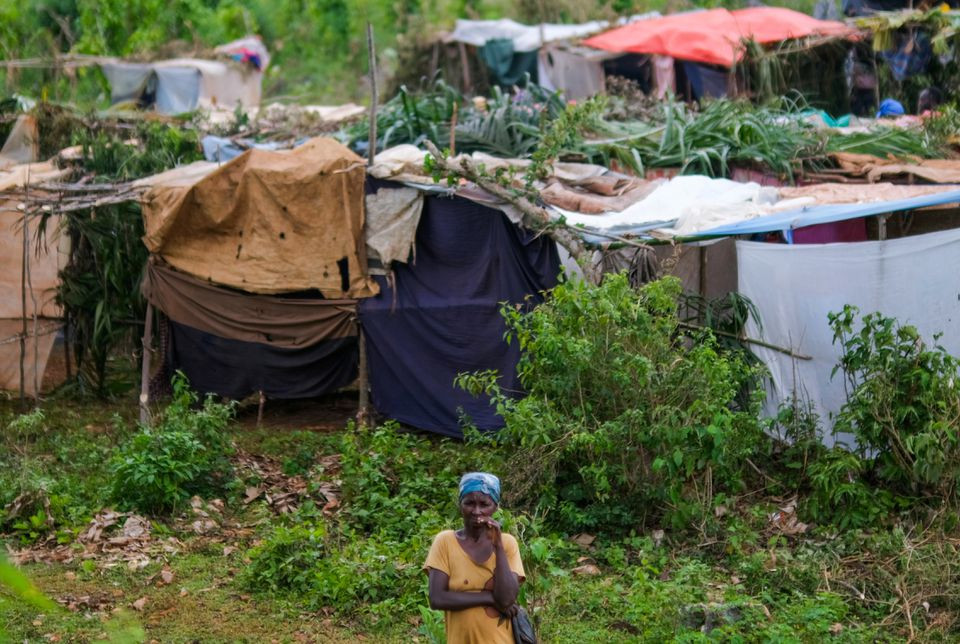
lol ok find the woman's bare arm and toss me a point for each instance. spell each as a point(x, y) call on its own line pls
point(506, 585)
point(442, 598)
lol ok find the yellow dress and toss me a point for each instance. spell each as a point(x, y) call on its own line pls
point(480, 624)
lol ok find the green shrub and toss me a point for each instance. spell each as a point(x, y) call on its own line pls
point(903, 404)
point(628, 418)
point(286, 560)
point(391, 478)
point(187, 453)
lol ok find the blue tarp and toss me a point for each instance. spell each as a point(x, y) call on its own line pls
point(812, 216)
point(441, 316)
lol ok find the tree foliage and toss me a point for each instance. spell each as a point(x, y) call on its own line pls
point(627, 417)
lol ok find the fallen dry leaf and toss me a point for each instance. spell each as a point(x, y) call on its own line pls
point(140, 603)
point(836, 629)
point(583, 539)
point(228, 550)
point(203, 526)
point(252, 494)
point(166, 577)
point(586, 569)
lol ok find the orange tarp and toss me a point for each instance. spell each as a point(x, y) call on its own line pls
point(715, 36)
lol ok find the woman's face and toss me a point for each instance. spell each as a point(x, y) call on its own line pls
point(476, 507)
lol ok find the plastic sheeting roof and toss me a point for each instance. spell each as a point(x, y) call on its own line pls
point(715, 36)
point(813, 215)
point(524, 37)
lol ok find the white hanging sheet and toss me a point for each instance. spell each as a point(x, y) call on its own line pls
point(914, 279)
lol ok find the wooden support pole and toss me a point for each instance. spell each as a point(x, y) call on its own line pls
point(260, 406)
point(882, 227)
point(147, 344)
point(374, 95)
point(25, 231)
point(363, 383)
point(703, 271)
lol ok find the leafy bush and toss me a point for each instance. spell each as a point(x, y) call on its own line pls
point(903, 404)
point(287, 559)
point(627, 417)
point(187, 453)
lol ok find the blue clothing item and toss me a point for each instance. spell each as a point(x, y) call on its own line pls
point(480, 482)
point(890, 107)
point(910, 57)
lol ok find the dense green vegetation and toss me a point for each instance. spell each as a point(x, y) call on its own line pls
point(651, 503)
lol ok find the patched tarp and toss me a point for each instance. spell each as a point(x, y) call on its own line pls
point(442, 317)
point(267, 221)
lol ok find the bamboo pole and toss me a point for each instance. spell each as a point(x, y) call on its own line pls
point(147, 344)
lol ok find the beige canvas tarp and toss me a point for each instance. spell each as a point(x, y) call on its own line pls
point(877, 169)
point(46, 259)
point(267, 222)
point(38, 349)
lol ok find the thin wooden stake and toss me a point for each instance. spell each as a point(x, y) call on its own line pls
point(363, 396)
point(453, 131)
point(374, 96)
point(263, 403)
point(147, 343)
point(23, 308)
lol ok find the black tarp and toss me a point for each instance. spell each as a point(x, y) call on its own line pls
point(442, 318)
point(236, 368)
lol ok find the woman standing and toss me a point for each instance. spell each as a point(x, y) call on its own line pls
point(475, 572)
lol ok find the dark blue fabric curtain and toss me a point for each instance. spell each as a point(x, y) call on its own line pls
point(442, 318)
point(236, 369)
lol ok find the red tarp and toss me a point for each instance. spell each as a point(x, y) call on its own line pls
point(714, 36)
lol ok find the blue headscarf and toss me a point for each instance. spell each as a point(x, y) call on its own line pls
point(890, 107)
point(480, 482)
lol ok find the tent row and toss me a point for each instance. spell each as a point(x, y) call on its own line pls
point(268, 268)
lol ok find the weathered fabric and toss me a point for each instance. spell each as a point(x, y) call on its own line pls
point(795, 287)
point(236, 369)
point(39, 347)
point(267, 222)
point(441, 315)
point(276, 321)
point(392, 219)
point(46, 259)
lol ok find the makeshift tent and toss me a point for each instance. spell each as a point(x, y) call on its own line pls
point(256, 264)
point(508, 51)
point(716, 36)
point(47, 252)
point(184, 85)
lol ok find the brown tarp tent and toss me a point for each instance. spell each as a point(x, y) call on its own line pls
point(266, 222)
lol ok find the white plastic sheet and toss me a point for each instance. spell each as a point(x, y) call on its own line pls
point(914, 279)
point(524, 37)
